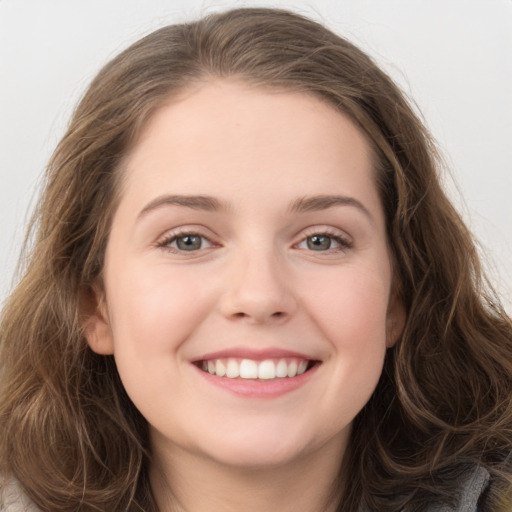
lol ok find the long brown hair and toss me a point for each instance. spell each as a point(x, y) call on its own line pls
point(71, 436)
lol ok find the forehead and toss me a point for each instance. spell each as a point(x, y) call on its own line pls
point(222, 133)
point(235, 107)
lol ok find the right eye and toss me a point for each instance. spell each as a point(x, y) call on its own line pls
point(185, 242)
point(321, 242)
point(325, 241)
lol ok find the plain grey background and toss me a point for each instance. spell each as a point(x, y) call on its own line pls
point(453, 57)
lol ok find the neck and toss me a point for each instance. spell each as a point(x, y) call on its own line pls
point(194, 484)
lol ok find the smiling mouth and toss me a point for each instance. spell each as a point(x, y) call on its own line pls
point(267, 369)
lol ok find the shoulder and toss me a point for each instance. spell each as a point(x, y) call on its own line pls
point(13, 499)
point(472, 485)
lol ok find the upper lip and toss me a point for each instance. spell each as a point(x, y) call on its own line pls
point(254, 354)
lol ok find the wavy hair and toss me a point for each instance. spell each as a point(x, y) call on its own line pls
point(71, 436)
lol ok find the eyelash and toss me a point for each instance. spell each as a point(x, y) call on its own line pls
point(344, 242)
point(166, 242)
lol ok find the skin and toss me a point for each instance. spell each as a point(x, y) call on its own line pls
point(256, 282)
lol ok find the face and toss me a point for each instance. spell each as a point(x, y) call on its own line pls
point(247, 283)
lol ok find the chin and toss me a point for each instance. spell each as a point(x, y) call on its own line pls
point(254, 449)
point(257, 457)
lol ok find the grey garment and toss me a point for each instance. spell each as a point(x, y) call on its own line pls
point(472, 484)
point(472, 488)
point(13, 499)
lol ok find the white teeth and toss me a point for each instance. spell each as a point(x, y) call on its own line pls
point(233, 369)
point(292, 369)
point(302, 367)
point(220, 369)
point(281, 369)
point(267, 370)
point(248, 369)
point(251, 369)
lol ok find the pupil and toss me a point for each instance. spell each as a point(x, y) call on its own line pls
point(319, 243)
point(189, 243)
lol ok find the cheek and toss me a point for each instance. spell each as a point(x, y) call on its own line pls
point(155, 308)
point(351, 307)
point(153, 311)
point(351, 313)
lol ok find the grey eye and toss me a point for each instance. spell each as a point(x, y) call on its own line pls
point(319, 242)
point(189, 242)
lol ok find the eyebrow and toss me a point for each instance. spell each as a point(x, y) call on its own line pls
point(206, 203)
point(324, 202)
point(210, 204)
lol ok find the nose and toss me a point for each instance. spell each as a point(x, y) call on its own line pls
point(258, 290)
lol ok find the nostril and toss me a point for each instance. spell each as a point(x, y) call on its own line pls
point(259, 318)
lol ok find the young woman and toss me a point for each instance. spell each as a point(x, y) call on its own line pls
point(247, 291)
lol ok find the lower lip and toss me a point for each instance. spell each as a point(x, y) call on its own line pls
point(254, 388)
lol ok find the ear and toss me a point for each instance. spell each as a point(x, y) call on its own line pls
point(396, 316)
point(95, 321)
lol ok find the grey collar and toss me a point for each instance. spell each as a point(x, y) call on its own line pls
point(472, 485)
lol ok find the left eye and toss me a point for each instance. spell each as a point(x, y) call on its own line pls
point(320, 242)
point(188, 242)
